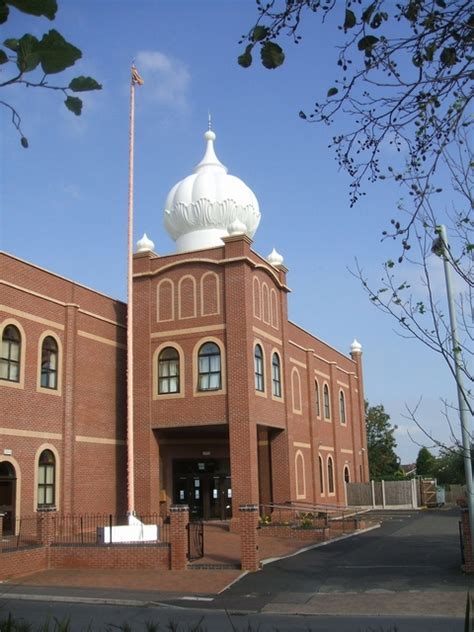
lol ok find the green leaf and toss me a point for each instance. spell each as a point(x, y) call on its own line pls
point(332, 92)
point(3, 57)
point(83, 84)
point(367, 14)
point(24, 142)
point(272, 55)
point(27, 53)
point(245, 60)
point(367, 43)
point(74, 104)
point(259, 33)
point(377, 21)
point(4, 11)
point(47, 8)
point(448, 56)
point(12, 44)
point(350, 19)
point(56, 54)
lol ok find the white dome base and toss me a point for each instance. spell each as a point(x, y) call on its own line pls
point(201, 239)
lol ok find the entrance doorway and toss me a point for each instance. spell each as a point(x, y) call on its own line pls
point(205, 486)
point(7, 496)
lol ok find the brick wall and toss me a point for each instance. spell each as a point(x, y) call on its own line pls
point(249, 307)
point(83, 420)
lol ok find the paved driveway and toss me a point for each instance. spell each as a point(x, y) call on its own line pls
point(413, 557)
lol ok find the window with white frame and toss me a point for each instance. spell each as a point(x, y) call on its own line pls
point(49, 363)
point(46, 479)
point(10, 354)
point(330, 475)
point(342, 407)
point(327, 405)
point(209, 367)
point(276, 375)
point(168, 371)
point(259, 374)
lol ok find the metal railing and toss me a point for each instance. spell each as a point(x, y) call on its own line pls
point(21, 533)
point(88, 529)
point(301, 515)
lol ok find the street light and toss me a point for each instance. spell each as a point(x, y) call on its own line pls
point(441, 249)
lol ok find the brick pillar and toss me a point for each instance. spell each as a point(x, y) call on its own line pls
point(179, 516)
point(356, 355)
point(46, 526)
point(468, 566)
point(249, 555)
point(69, 389)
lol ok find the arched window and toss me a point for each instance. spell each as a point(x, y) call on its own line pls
point(209, 363)
point(330, 476)
point(347, 475)
point(321, 474)
point(46, 479)
point(327, 407)
point(316, 395)
point(49, 363)
point(276, 375)
point(342, 407)
point(168, 371)
point(259, 377)
point(11, 353)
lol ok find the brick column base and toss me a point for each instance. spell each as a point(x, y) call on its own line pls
point(179, 519)
point(249, 555)
point(46, 526)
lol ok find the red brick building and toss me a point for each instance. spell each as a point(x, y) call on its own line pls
point(233, 403)
point(62, 394)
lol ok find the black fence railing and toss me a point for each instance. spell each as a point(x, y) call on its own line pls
point(102, 529)
point(20, 533)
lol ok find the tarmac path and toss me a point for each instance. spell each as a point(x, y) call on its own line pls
point(405, 574)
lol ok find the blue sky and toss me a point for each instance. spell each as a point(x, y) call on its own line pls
point(64, 200)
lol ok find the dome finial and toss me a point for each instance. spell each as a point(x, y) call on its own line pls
point(356, 347)
point(145, 244)
point(209, 120)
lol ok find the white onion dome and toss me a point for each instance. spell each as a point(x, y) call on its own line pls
point(200, 209)
point(237, 228)
point(145, 244)
point(275, 258)
point(356, 347)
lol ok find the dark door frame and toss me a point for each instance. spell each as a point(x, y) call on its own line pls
point(8, 481)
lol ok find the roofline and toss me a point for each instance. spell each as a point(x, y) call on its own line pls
point(320, 340)
point(59, 276)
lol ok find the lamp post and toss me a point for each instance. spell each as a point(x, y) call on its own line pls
point(441, 249)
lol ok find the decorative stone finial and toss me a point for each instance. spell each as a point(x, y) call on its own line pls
point(144, 244)
point(275, 258)
point(237, 228)
point(356, 347)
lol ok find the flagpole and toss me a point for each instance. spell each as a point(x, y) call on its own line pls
point(130, 428)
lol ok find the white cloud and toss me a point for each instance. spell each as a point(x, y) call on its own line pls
point(167, 79)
